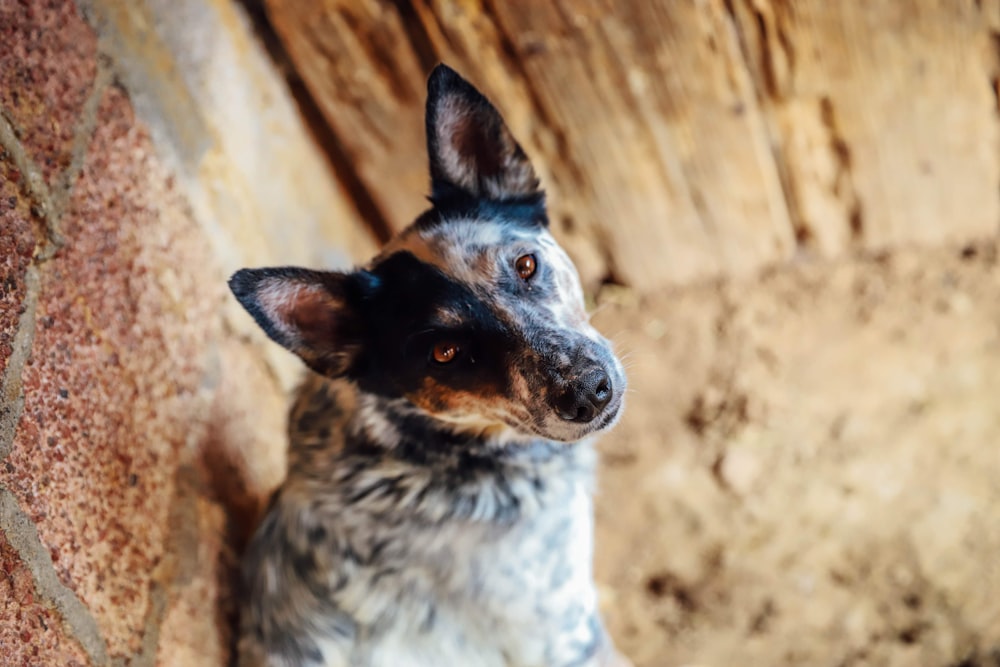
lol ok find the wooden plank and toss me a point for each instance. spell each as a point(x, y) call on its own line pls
point(884, 114)
point(368, 82)
point(658, 169)
point(660, 118)
point(681, 141)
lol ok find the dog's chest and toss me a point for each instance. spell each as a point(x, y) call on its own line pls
point(521, 595)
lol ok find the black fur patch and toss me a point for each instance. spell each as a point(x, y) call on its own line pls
point(400, 320)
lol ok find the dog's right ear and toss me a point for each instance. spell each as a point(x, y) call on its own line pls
point(312, 313)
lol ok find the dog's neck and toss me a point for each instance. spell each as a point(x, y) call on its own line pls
point(375, 437)
point(404, 431)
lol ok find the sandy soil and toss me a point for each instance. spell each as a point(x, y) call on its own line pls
point(808, 472)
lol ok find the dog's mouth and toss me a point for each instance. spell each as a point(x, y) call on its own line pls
point(606, 419)
point(611, 414)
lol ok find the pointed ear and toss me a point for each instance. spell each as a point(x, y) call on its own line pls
point(312, 313)
point(469, 145)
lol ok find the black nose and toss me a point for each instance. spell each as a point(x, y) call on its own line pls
point(585, 398)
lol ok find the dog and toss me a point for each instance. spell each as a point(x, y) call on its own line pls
point(438, 506)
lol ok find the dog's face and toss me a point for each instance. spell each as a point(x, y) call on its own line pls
point(473, 313)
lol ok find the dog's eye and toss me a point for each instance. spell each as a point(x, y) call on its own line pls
point(446, 352)
point(526, 266)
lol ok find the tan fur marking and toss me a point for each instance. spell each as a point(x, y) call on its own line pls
point(475, 411)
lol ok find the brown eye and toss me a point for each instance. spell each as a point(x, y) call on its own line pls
point(445, 353)
point(525, 266)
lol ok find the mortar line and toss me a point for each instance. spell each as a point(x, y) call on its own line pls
point(11, 389)
point(62, 193)
point(33, 181)
point(23, 537)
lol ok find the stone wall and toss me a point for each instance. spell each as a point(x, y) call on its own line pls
point(146, 151)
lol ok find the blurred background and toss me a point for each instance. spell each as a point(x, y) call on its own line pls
point(785, 213)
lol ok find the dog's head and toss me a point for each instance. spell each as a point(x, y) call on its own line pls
point(473, 313)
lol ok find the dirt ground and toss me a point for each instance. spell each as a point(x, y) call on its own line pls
point(808, 471)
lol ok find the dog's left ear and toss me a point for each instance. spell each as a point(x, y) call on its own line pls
point(469, 145)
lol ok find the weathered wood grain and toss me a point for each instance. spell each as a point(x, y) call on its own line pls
point(883, 114)
point(685, 140)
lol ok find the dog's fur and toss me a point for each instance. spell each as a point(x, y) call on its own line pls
point(437, 514)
